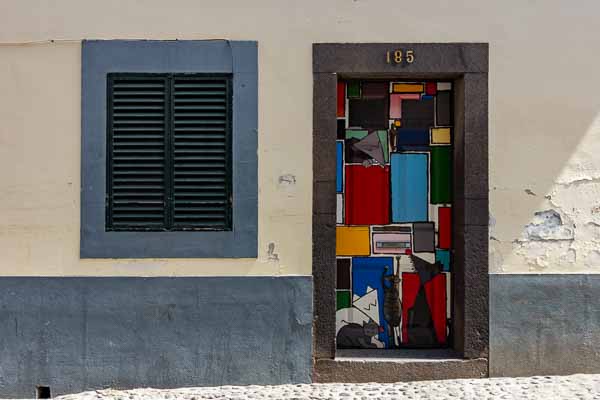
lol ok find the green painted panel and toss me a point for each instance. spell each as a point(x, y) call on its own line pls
point(343, 299)
point(356, 133)
point(353, 90)
point(383, 139)
point(441, 174)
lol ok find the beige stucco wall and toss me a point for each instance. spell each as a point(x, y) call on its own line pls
point(544, 120)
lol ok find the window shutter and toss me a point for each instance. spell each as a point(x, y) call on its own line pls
point(169, 152)
point(201, 163)
point(137, 122)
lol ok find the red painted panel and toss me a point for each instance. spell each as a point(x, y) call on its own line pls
point(341, 99)
point(445, 227)
point(435, 291)
point(431, 88)
point(367, 195)
point(410, 288)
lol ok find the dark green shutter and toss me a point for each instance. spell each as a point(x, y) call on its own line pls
point(168, 152)
point(201, 162)
point(137, 123)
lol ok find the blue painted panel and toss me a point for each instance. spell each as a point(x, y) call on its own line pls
point(409, 187)
point(412, 147)
point(368, 272)
point(443, 256)
point(339, 179)
point(410, 136)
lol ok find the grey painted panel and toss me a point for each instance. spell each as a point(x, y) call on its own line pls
point(544, 324)
point(76, 334)
point(101, 57)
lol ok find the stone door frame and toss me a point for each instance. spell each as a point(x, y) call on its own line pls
point(466, 64)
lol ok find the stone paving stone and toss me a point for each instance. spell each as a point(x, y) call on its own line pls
point(535, 388)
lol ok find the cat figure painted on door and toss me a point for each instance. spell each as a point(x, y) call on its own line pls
point(392, 305)
point(354, 335)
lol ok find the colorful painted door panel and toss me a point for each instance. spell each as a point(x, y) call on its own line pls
point(394, 206)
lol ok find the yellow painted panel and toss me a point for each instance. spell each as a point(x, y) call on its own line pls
point(352, 241)
point(440, 135)
point(407, 88)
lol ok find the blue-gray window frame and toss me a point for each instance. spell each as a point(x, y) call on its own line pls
point(101, 57)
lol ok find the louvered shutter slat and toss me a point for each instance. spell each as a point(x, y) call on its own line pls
point(201, 143)
point(137, 139)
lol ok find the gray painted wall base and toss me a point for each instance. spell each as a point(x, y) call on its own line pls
point(76, 334)
point(544, 324)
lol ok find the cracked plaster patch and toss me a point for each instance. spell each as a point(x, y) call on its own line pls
point(547, 225)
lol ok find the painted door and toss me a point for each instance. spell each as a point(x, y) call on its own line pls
point(394, 213)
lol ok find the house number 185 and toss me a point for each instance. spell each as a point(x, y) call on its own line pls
point(400, 56)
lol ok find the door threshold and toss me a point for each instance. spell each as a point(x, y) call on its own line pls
point(398, 365)
point(397, 355)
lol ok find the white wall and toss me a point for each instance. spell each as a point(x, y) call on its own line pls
point(544, 104)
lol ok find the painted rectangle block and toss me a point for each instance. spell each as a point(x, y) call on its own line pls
point(409, 187)
point(356, 133)
point(412, 147)
point(367, 274)
point(341, 129)
point(407, 88)
point(341, 99)
point(440, 136)
point(441, 175)
point(368, 113)
point(353, 91)
point(343, 299)
point(444, 227)
point(423, 237)
point(444, 86)
point(412, 137)
point(423, 310)
point(431, 88)
point(352, 241)
point(343, 274)
point(339, 167)
point(367, 196)
point(375, 90)
point(339, 209)
point(418, 114)
point(443, 109)
point(391, 243)
point(443, 257)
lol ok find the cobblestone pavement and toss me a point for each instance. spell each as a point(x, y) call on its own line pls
point(546, 387)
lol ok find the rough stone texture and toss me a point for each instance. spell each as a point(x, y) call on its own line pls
point(388, 369)
point(324, 209)
point(76, 334)
point(542, 388)
point(544, 324)
point(437, 58)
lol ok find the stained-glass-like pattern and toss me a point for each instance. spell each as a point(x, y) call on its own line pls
point(394, 213)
